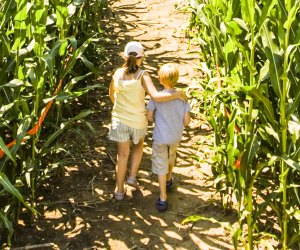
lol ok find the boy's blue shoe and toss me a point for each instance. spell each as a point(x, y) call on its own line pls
point(169, 185)
point(161, 205)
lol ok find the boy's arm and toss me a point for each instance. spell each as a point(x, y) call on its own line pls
point(150, 110)
point(150, 116)
point(186, 119)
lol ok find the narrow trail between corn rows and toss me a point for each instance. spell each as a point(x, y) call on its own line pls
point(78, 210)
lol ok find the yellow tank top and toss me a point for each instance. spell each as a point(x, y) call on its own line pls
point(129, 107)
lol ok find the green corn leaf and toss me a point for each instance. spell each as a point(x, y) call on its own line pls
point(8, 225)
point(211, 118)
point(6, 108)
point(266, 104)
point(263, 206)
point(294, 130)
point(21, 55)
point(79, 52)
point(69, 86)
point(20, 25)
point(21, 132)
point(67, 96)
point(242, 24)
point(73, 42)
point(55, 49)
point(273, 55)
point(293, 164)
point(88, 64)
point(72, 95)
point(4, 181)
point(290, 162)
point(254, 145)
point(63, 48)
point(292, 15)
point(61, 14)
point(52, 137)
point(248, 11)
point(295, 239)
point(264, 72)
point(236, 236)
point(13, 83)
point(270, 130)
point(195, 218)
point(49, 63)
point(8, 11)
point(235, 27)
point(268, 6)
point(5, 149)
point(202, 9)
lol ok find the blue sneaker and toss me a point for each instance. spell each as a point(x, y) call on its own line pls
point(161, 205)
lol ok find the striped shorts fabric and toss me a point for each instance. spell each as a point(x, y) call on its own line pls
point(121, 132)
point(163, 155)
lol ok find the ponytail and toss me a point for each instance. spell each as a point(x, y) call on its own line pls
point(130, 64)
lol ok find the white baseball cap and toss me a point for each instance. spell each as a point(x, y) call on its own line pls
point(134, 47)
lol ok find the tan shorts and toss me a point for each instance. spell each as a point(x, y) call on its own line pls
point(163, 155)
point(121, 132)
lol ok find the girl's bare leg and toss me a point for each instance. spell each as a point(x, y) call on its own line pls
point(121, 167)
point(136, 157)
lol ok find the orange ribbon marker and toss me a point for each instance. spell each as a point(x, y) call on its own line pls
point(37, 126)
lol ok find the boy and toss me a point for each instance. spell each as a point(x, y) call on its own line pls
point(170, 119)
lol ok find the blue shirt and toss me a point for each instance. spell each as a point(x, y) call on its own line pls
point(169, 118)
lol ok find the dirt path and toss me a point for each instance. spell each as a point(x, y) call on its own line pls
point(78, 210)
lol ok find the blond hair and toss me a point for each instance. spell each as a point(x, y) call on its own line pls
point(168, 74)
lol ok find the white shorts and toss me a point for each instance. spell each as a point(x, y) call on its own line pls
point(163, 155)
point(121, 132)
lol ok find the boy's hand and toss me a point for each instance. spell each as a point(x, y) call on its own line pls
point(150, 116)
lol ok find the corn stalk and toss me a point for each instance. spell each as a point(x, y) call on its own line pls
point(40, 55)
point(253, 93)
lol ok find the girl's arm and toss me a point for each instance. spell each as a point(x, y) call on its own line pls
point(158, 96)
point(112, 91)
point(112, 85)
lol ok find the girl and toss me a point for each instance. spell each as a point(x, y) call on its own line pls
point(129, 123)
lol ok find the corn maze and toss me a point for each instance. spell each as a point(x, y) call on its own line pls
point(250, 94)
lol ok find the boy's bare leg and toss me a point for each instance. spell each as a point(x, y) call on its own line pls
point(121, 167)
point(136, 157)
point(162, 180)
point(170, 174)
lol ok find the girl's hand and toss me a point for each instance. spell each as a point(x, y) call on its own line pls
point(181, 95)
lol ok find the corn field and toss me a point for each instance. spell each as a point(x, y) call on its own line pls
point(250, 55)
point(42, 59)
point(250, 95)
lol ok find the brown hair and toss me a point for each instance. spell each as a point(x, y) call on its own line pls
point(130, 63)
point(168, 74)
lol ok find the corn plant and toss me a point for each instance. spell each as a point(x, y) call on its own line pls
point(250, 52)
point(40, 46)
